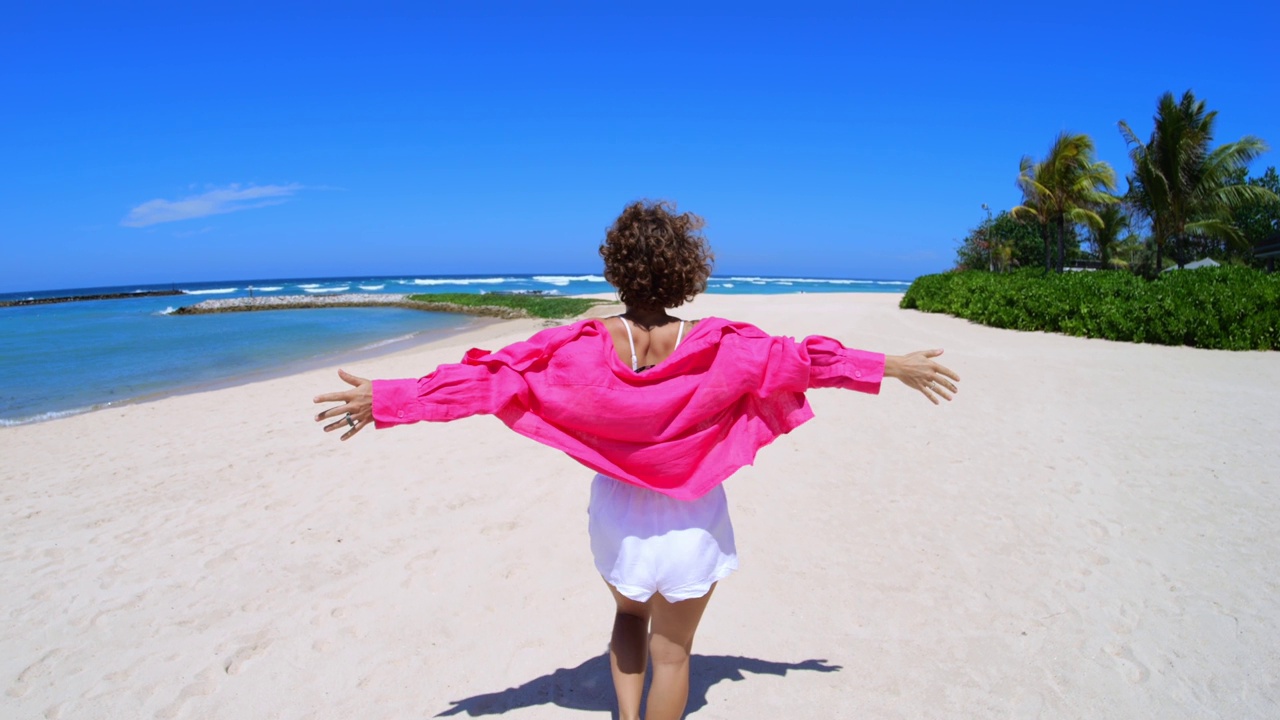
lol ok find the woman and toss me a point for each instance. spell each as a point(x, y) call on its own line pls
point(664, 410)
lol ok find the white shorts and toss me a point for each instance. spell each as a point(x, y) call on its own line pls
point(645, 542)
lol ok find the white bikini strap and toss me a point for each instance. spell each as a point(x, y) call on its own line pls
point(680, 334)
point(635, 362)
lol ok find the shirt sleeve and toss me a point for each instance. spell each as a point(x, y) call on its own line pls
point(482, 384)
point(450, 393)
point(831, 364)
point(819, 362)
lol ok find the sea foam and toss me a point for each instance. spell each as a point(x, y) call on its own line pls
point(214, 291)
point(562, 280)
point(463, 281)
point(52, 415)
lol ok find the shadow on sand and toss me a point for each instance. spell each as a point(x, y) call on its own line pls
point(590, 687)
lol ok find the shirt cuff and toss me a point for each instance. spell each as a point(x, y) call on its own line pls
point(866, 370)
point(853, 370)
point(395, 402)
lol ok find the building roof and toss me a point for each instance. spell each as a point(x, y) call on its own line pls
point(1202, 262)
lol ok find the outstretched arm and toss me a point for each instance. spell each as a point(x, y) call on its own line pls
point(356, 408)
point(450, 392)
point(918, 370)
point(820, 362)
point(482, 383)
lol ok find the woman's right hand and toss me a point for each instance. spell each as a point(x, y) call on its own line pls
point(356, 408)
point(918, 370)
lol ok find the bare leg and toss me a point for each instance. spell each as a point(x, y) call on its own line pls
point(628, 654)
point(670, 643)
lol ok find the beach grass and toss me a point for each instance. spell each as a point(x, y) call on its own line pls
point(539, 306)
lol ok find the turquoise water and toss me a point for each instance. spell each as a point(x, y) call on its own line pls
point(65, 358)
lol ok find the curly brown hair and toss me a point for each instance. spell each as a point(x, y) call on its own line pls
point(656, 257)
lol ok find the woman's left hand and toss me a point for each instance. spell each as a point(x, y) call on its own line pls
point(919, 371)
point(356, 408)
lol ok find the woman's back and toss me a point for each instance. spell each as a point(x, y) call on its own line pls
point(652, 344)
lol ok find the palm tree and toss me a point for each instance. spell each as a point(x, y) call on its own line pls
point(1064, 187)
point(1131, 252)
point(1181, 185)
point(1106, 236)
point(1032, 203)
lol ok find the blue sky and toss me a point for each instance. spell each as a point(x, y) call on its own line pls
point(150, 143)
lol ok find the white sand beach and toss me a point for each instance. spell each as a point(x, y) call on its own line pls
point(1091, 530)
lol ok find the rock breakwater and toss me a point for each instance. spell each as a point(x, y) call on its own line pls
point(294, 302)
point(85, 298)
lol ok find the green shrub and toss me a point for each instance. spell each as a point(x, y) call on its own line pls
point(539, 306)
point(1227, 308)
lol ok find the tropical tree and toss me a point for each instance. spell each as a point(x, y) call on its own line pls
point(1258, 220)
point(1127, 253)
point(1032, 209)
point(1064, 188)
point(1107, 236)
point(1023, 238)
point(1000, 242)
point(1184, 187)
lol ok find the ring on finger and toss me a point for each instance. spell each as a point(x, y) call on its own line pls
point(350, 420)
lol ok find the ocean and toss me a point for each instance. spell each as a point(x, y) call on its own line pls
point(66, 358)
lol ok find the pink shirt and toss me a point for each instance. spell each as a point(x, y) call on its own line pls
point(679, 428)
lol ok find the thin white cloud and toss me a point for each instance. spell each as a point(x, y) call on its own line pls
point(218, 201)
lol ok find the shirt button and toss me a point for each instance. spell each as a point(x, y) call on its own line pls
point(857, 373)
point(400, 413)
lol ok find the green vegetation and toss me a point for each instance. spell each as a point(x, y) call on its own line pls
point(1106, 235)
point(1014, 243)
point(1227, 308)
point(1067, 186)
point(1258, 216)
point(1184, 195)
point(539, 306)
point(1182, 186)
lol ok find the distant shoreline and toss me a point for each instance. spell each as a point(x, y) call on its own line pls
point(569, 285)
point(76, 298)
point(294, 302)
